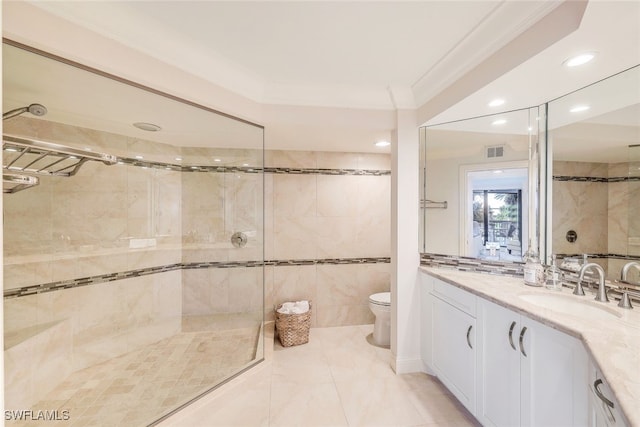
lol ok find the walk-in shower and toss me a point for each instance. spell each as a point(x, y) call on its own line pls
point(124, 295)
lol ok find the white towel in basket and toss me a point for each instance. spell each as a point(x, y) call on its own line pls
point(297, 307)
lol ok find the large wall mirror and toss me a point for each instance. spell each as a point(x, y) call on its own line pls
point(594, 141)
point(476, 198)
point(133, 244)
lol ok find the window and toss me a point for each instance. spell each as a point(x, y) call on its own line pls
point(498, 214)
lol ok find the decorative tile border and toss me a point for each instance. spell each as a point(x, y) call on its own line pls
point(330, 261)
point(110, 277)
point(249, 169)
point(580, 178)
point(368, 172)
point(602, 256)
point(85, 281)
point(472, 264)
point(498, 267)
point(596, 179)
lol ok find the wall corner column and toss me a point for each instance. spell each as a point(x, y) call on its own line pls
point(405, 255)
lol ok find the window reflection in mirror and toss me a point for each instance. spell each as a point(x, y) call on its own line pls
point(480, 168)
point(593, 137)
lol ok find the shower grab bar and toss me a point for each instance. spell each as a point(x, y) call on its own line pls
point(12, 183)
point(49, 152)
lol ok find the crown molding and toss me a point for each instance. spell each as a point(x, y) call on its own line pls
point(484, 40)
point(542, 33)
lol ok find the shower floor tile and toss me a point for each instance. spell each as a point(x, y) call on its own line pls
point(137, 388)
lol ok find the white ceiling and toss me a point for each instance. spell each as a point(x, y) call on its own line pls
point(330, 53)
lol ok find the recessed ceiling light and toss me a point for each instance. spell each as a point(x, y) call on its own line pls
point(579, 108)
point(149, 127)
point(382, 144)
point(580, 59)
point(496, 102)
point(499, 122)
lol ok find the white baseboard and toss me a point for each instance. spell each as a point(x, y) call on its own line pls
point(407, 366)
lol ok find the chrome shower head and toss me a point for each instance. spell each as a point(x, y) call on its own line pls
point(35, 109)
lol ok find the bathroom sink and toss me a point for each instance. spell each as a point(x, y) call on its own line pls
point(569, 304)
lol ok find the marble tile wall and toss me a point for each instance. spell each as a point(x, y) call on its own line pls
point(322, 216)
point(317, 206)
point(581, 206)
point(618, 210)
point(70, 227)
point(595, 200)
point(634, 200)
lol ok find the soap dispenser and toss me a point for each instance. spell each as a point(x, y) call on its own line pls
point(533, 269)
point(552, 276)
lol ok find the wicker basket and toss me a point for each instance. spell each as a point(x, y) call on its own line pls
point(293, 329)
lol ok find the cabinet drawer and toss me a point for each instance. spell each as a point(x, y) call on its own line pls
point(458, 298)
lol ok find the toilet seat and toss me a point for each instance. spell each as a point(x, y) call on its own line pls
point(381, 299)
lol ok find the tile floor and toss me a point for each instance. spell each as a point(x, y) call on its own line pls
point(337, 379)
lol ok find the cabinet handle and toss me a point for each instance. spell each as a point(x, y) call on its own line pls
point(602, 397)
point(468, 341)
point(522, 332)
point(513, 325)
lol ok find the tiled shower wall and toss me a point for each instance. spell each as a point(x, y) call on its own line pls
point(339, 210)
point(326, 239)
point(327, 236)
point(593, 200)
point(214, 206)
point(66, 231)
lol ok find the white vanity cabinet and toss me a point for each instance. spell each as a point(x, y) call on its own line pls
point(529, 374)
point(454, 352)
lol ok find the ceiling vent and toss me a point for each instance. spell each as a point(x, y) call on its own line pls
point(495, 151)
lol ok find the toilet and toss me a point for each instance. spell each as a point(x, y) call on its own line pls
point(380, 305)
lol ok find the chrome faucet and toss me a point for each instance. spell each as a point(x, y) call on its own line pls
point(626, 268)
point(601, 295)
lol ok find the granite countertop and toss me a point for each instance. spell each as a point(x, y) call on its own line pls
point(612, 343)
